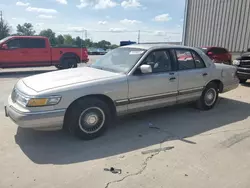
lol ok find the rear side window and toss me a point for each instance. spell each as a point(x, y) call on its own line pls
point(199, 63)
point(188, 59)
point(218, 51)
point(36, 43)
point(185, 59)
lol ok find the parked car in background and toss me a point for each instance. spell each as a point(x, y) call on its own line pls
point(36, 51)
point(243, 66)
point(96, 51)
point(218, 54)
point(126, 80)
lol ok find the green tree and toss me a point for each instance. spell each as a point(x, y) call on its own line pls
point(49, 34)
point(79, 42)
point(88, 43)
point(5, 29)
point(68, 39)
point(60, 40)
point(26, 29)
point(113, 46)
point(103, 44)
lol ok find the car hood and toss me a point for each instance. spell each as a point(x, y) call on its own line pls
point(61, 78)
point(244, 56)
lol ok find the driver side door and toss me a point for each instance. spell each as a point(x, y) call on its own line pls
point(11, 57)
point(156, 89)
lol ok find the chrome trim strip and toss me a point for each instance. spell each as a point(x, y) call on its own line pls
point(38, 113)
point(121, 102)
point(157, 96)
point(187, 91)
point(153, 97)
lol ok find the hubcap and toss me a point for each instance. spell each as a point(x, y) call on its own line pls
point(91, 120)
point(210, 97)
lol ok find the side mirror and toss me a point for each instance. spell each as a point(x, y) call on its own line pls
point(145, 69)
point(210, 53)
point(5, 46)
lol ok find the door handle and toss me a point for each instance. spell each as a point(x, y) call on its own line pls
point(172, 78)
point(204, 74)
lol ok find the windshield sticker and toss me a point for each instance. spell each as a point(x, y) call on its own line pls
point(136, 52)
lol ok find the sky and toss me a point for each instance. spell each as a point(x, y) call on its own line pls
point(112, 20)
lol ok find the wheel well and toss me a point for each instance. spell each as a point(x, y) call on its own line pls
point(71, 55)
point(104, 98)
point(219, 84)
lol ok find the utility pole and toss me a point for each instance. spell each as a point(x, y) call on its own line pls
point(1, 16)
point(139, 36)
point(86, 34)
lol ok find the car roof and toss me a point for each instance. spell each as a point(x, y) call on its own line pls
point(31, 37)
point(155, 46)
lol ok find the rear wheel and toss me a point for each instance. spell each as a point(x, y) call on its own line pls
point(209, 97)
point(68, 63)
point(88, 118)
point(242, 81)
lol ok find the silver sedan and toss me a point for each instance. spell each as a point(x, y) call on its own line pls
point(126, 80)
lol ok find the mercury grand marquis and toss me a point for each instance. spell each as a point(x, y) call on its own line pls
point(126, 80)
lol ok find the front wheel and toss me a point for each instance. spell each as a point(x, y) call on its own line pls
point(209, 97)
point(88, 118)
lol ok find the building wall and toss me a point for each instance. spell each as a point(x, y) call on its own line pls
point(224, 23)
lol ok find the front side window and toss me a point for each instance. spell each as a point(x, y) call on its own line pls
point(185, 59)
point(13, 44)
point(119, 60)
point(159, 61)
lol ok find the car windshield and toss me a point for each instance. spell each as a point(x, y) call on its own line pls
point(4, 39)
point(119, 60)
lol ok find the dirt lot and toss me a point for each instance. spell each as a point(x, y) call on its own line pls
point(172, 147)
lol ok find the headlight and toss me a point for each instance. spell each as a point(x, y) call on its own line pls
point(236, 62)
point(34, 102)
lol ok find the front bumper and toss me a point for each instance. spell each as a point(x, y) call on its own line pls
point(243, 73)
point(42, 120)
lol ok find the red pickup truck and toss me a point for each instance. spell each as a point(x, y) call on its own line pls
point(35, 51)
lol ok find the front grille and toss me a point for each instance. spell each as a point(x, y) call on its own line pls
point(245, 63)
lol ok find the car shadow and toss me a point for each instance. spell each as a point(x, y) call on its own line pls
point(22, 73)
point(247, 84)
point(130, 133)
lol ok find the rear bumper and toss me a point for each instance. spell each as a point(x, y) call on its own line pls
point(43, 120)
point(230, 86)
point(243, 73)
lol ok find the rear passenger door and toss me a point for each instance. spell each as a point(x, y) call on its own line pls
point(37, 53)
point(193, 74)
point(156, 89)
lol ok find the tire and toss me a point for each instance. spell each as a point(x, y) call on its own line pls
point(88, 118)
point(58, 67)
point(67, 63)
point(209, 97)
point(242, 81)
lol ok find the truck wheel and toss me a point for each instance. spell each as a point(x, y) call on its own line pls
point(89, 118)
point(208, 98)
point(58, 67)
point(68, 63)
point(242, 81)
